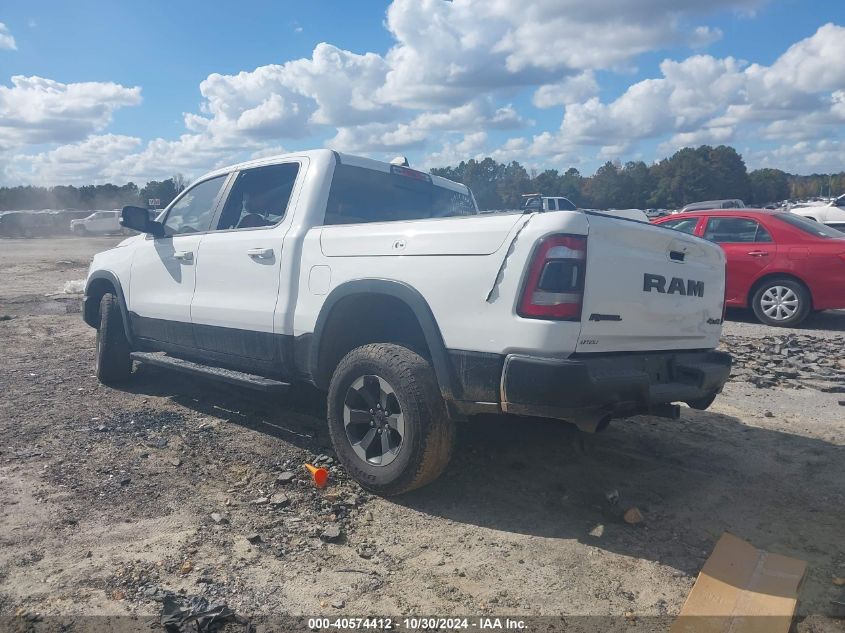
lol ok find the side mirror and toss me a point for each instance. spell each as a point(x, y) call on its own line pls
point(138, 219)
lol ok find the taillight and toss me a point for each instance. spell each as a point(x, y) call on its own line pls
point(554, 287)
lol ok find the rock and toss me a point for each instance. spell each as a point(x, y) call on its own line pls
point(768, 414)
point(633, 516)
point(205, 580)
point(219, 518)
point(176, 461)
point(338, 604)
point(612, 496)
point(597, 531)
point(285, 478)
point(279, 500)
point(842, 403)
point(125, 481)
point(839, 582)
point(260, 501)
point(186, 568)
point(330, 534)
point(254, 538)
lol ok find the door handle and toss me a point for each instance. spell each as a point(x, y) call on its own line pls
point(260, 253)
point(759, 253)
point(185, 256)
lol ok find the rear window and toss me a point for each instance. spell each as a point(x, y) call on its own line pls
point(735, 230)
point(686, 225)
point(810, 226)
point(360, 195)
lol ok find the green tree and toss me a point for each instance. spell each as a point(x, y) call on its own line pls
point(768, 185)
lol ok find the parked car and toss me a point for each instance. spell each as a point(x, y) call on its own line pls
point(385, 287)
point(781, 265)
point(536, 202)
point(832, 213)
point(99, 222)
point(714, 204)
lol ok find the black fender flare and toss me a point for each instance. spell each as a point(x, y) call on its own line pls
point(90, 311)
point(418, 305)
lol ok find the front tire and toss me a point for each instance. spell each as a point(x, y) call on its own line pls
point(781, 302)
point(113, 363)
point(387, 419)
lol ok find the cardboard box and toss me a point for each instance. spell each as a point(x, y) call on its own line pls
point(742, 590)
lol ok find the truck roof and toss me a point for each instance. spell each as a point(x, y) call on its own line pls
point(344, 159)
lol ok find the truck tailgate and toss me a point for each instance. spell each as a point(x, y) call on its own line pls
point(649, 288)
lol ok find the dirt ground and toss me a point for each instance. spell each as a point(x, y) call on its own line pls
point(111, 497)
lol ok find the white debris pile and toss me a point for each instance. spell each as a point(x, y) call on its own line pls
point(74, 287)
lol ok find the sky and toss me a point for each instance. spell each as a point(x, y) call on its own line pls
point(102, 91)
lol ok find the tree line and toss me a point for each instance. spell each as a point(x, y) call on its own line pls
point(689, 175)
point(90, 197)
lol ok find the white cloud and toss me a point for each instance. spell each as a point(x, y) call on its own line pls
point(703, 99)
point(446, 51)
point(74, 163)
point(569, 90)
point(7, 42)
point(36, 110)
point(447, 88)
point(804, 157)
point(704, 36)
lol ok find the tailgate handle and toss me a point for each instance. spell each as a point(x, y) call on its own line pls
point(676, 256)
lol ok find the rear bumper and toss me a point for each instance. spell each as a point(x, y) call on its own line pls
point(591, 389)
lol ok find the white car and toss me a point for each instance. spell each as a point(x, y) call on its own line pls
point(385, 287)
point(99, 222)
point(708, 205)
point(536, 202)
point(832, 213)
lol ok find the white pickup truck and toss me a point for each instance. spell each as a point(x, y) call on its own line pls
point(387, 288)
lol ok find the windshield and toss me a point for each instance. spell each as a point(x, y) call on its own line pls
point(361, 195)
point(810, 226)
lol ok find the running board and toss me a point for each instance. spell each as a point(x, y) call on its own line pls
point(226, 375)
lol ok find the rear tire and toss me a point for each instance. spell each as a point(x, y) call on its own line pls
point(781, 302)
point(387, 419)
point(113, 363)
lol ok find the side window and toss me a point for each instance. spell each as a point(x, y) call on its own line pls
point(686, 225)
point(259, 197)
point(552, 204)
point(192, 213)
point(735, 230)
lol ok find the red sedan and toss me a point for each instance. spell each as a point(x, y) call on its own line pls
point(781, 265)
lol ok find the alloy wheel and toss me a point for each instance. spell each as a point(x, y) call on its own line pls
point(373, 419)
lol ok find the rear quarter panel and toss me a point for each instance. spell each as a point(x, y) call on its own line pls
point(473, 297)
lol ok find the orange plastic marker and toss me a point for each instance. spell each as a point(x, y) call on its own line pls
point(320, 475)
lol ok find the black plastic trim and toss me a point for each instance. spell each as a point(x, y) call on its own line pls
point(245, 350)
point(413, 299)
point(615, 385)
point(91, 308)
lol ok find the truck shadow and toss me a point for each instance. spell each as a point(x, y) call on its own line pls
point(692, 479)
